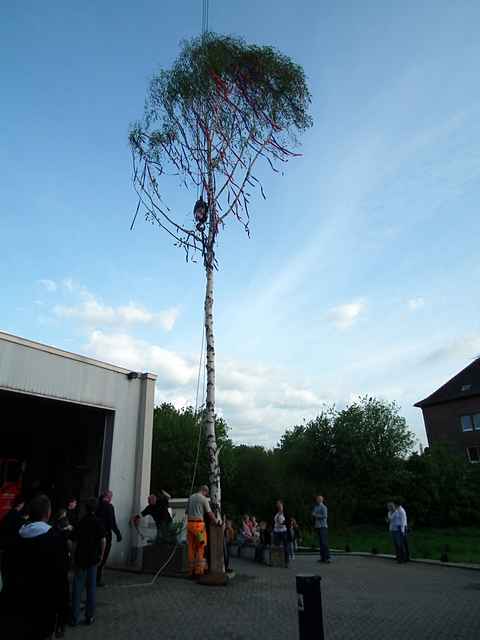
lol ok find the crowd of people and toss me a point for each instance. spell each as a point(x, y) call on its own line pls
point(281, 530)
point(48, 562)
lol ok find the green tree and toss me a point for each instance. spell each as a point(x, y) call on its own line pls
point(253, 484)
point(351, 456)
point(175, 445)
point(221, 108)
point(440, 488)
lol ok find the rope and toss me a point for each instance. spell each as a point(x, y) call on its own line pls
point(205, 18)
point(200, 426)
point(201, 362)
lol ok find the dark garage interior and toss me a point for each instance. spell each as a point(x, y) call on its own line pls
point(65, 448)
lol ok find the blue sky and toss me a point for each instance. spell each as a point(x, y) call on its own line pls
point(361, 272)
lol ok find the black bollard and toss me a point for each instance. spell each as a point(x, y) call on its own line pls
point(310, 614)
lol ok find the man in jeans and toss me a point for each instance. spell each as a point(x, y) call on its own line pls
point(106, 515)
point(320, 516)
point(91, 541)
point(398, 529)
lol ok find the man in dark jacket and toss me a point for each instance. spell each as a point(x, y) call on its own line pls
point(38, 577)
point(9, 527)
point(91, 542)
point(157, 508)
point(72, 512)
point(106, 515)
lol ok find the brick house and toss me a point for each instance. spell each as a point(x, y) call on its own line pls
point(452, 413)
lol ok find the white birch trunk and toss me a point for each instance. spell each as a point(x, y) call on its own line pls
point(213, 466)
point(212, 453)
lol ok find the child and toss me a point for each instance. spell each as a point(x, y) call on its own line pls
point(293, 538)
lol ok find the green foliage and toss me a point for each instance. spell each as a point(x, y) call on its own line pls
point(352, 456)
point(442, 488)
point(463, 543)
point(252, 482)
point(221, 108)
point(269, 80)
point(239, 92)
point(359, 458)
point(174, 447)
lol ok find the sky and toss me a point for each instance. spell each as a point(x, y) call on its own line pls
point(360, 273)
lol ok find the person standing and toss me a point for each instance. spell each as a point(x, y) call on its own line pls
point(38, 577)
point(9, 527)
point(280, 530)
point(157, 508)
point(106, 515)
point(246, 530)
point(72, 512)
point(198, 509)
point(294, 536)
point(320, 516)
point(91, 543)
point(228, 539)
point(264, 541)
point(398, 529)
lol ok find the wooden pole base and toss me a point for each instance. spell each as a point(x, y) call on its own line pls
point(214, 580)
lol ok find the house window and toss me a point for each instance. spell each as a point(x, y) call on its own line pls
point(467, 423)
point(466, 387)
point(473, 454)
point(476, 421)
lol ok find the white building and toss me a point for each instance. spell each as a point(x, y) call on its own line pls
point(80, 425)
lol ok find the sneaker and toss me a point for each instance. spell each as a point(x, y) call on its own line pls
point(90, 620)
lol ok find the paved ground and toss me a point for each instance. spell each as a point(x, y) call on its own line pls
point(363, 598)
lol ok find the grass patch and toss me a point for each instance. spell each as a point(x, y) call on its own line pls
point(461, 544)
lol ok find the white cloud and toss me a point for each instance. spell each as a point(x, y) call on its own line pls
point(416, 303)
point(464, 348)
point(132, 314)
point(48, 285)
point(168, 318)
point(299, 398)
point(68, 284)
point(258, 408)
point(93, 312)
point(345, 315)
point(121, 349)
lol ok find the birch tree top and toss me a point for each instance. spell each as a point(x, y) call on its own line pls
point(222, 106)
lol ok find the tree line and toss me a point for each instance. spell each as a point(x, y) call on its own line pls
point(358, 457)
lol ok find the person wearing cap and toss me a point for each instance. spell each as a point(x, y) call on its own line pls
point(198, 510)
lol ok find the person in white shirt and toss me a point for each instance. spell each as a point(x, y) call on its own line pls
point(398, 527)
point(280, 530)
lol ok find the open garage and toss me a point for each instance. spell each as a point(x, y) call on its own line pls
point(74, 426)
point(63, 449)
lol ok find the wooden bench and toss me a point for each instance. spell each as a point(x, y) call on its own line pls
point(272, 556)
